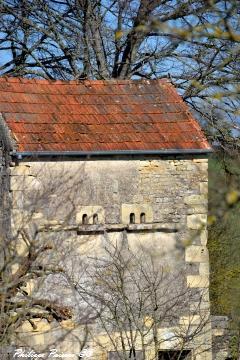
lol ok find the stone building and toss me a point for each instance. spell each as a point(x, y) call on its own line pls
point(126, 160)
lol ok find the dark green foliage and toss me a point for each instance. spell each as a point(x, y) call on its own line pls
point(224, 239)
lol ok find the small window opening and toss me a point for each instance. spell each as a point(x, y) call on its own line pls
point(132, 353)
point(95, 219)
point(132, 218)
point(84, 219)
point(142, 218)
point(175, 355)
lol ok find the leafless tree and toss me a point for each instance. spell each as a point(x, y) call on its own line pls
point(134, 297)
point(33, 258)
point(194, 43)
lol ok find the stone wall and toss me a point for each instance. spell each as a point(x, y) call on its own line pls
point(222, 337)
point(170, 192)
point(2, 184)
point(5, 159)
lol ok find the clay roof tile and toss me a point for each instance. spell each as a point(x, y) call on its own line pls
point(97, 115)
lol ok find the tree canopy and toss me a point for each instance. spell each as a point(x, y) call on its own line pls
point(194, 43)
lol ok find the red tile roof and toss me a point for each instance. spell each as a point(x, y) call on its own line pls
point(96, 115)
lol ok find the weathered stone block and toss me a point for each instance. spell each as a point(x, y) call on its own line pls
point(204, 269)
point(197, 209)
point(21, 169)
point(203, 354)
point(30, 286)
point(154, 167)
point(204, 237)
point(91, 212)
point(197, 281)
point(203, 188)
point(19, 218)
point(17, 199)
point(21, 247)
point(195, 200)
point(196, 253)
point(200, 305)
point(198, 221)
point(137, 210)
point(24, 183)
point(190, 320)
point(218, 332)
point(37, 216)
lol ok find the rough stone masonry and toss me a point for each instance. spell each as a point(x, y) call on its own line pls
point(171, 192)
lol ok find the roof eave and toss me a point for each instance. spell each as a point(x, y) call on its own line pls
point(39, 154)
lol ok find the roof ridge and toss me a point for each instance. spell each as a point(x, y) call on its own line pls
point(16, 79)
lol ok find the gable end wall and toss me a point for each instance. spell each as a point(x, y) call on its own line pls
point(171, 191)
